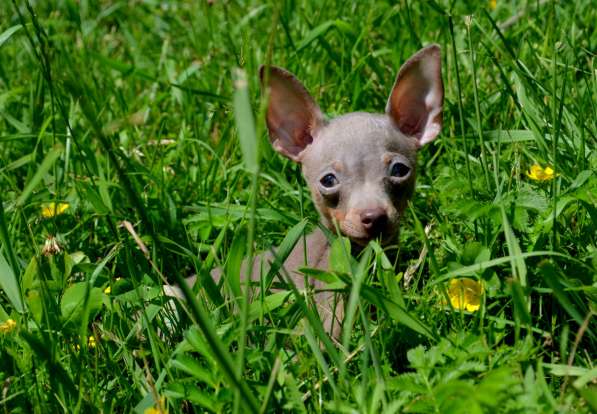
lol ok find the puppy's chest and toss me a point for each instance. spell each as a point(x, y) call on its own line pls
point(312, 252)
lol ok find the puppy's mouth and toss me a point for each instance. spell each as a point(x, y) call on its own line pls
point(361, 236)
point(384, 237)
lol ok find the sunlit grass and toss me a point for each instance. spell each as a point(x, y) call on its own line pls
point(133, 152)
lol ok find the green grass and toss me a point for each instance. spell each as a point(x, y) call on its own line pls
point(127, 111)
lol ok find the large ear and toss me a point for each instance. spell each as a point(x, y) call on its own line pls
point(416, 101)
point(292, 114)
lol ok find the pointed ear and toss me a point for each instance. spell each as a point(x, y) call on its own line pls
point(292, 114)
point(415, 104)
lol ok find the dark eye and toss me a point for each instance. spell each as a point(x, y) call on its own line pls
point(399, 170)
point(329, 181)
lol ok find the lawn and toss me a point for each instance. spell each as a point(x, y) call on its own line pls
point(134, 151)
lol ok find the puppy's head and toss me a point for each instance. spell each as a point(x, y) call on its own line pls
point(360, 167)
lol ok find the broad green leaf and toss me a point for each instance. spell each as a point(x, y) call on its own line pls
point(563, 370)
point(340, 258)
point(10, 285)
point(410, 382)
point(268, 304)
point(141, 293)
point(324, 276)
point(73, 302)
point(510, 135)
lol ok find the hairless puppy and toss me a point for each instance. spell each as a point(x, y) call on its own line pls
point(360, 167)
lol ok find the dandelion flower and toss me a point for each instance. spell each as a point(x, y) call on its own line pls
point(492, 4)
point(8, 326)
point(538, 173)
point(52, 209)
point(465, 294)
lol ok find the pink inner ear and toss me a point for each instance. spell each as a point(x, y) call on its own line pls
point(412, 116)
point(408, 107)
point(292, 114)
point(415, 103)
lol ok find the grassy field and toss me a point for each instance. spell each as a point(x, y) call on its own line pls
point(121, 128)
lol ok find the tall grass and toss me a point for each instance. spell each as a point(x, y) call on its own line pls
point(133, 152)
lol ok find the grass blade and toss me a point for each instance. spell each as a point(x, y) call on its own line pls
point(519, 268)
point(43, 169)
point(8, 33)
point(245, 124)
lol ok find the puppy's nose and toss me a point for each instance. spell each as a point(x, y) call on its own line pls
point(374, 220)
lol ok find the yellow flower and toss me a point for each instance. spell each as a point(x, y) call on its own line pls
point(539, 173)
point(8, 326)
point(158, 409)
point(52, 209)
point(465, 294)
point(90, 343)
point(108, 289)
point(492, 4)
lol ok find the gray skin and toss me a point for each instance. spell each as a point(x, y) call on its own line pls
point(362, 162)
point(371, 157)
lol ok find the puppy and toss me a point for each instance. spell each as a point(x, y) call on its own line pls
point(360, 167)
